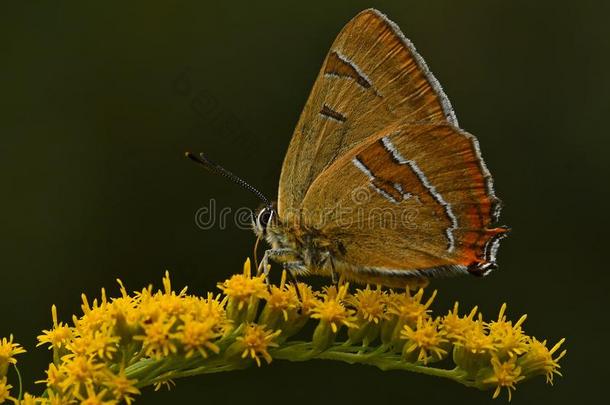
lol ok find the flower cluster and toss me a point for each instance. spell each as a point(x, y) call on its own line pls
point(8, 351)
point(150, 338)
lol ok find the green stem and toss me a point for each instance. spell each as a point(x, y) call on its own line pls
point(20, 382)
point(149, 372)
point(207, 369)
point(378, 358)
point(388, 363)
point(153, 372)
point(142, 368)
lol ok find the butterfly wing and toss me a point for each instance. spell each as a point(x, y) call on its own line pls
point(421, 203)
point(371, 77)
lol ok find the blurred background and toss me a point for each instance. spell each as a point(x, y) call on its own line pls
point(100, 101)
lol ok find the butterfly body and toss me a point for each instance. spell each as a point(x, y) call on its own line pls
point(306, 252)
point(379, 184)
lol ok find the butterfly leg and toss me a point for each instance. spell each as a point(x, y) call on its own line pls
point(328, 259)
point(278, 255)
point(295, 268)
point(333, 272)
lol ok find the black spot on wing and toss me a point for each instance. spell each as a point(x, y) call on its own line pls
point(332, 114)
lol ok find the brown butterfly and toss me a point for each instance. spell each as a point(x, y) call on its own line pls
point(379, 184)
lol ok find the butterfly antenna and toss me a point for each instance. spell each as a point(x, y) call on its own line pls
point(215, 168)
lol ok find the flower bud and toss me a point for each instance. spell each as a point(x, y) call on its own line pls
point(469, 361)
point(323, 336)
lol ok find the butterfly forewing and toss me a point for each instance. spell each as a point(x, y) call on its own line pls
point(371, 78)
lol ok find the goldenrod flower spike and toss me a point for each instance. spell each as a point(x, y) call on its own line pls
point(118, 346)
point(8, 351)
point(5, 390)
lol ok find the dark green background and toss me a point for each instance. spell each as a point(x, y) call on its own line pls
point(94, 185)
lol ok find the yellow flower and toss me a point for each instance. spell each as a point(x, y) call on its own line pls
point(122, 388)
point(410, 308)
point(473, 347)
point(283, 298)
point(505, 375)
point(100, 343)
point(426, 337)
point(475, 339)
point(508, 339)
point(539, 359)
point(157, 340)
point(211, 308)
point(94, 315)
point(332, 310)
point(170, 303)
point(197, 336)
point(333, 291)
point(58, 399)
point(456, 326)
point(29, 399)
point(370, 304)
point(309, 298)
point(5, 390)
point(167, 286)
point(8, 351)
point(54, 376)
point(166, 304)
point(257, 340)
point(80, 371)
point(242, 287)
point(123, 309)
point(58, 336)
point(93, 398)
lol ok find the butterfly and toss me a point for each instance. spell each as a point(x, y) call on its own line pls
point(379, 184)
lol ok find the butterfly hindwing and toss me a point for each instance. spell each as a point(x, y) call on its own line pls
point(421, 202)
point(371, 78)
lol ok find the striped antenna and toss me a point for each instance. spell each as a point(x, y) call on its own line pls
point(215, 168)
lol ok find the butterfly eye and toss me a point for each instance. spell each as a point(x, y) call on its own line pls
point(264, 217)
